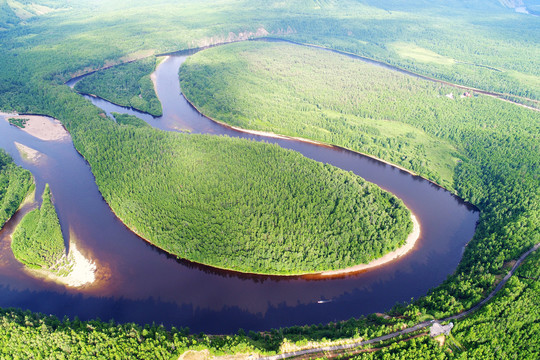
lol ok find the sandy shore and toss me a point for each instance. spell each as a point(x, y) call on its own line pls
point(83, 271)
point(41, 127)
point(286, 137)
point(409, 245)
point(29, 154)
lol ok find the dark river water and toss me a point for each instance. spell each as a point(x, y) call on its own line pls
point(138, 283)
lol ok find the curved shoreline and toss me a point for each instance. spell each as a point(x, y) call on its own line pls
point(314, 142)
point(409, 243)
point(43, 127)
point(497, 95)
point(83, 270)
point(389, 257)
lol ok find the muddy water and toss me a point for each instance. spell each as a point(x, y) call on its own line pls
point(138, 283)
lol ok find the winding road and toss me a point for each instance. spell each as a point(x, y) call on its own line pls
point(411, 329)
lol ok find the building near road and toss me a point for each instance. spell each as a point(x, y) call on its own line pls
point(437, 329)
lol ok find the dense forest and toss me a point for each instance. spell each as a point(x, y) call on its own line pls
point(15, 182)
point(127, 85)
point(499, 330)
point(484, 148)
point(493, 146)
point(37, 241)
point(242, 205)
point(129, 120)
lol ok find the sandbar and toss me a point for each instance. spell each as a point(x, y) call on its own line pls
point(27, 153)
point(83, 271)
point(391, 256)
point(42, 127)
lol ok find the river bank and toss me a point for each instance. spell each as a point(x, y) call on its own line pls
point(81, 270)
point(391, 256)
point(41, 127)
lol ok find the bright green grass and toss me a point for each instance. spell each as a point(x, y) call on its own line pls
point(37, 240)
point(423, 55)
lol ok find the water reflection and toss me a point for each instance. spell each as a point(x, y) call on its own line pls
point(139, 283)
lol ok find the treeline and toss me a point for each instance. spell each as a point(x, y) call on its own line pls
point(127, 85)
point(226, 202)
point(37, 241)
point(15, 183)
point(485, 55)
point(483, 148)
point(129, 120)
point(499, 330)
point(242, 205)
point(509, 325)
point(26, 335)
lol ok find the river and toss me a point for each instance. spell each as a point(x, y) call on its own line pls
point(138, 283)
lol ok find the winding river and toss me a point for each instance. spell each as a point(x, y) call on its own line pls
point(139, 283)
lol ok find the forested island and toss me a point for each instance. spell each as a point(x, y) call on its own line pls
point(484, 149)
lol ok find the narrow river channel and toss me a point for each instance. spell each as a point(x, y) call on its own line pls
point(139, 283)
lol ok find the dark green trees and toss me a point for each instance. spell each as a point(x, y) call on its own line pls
point(15, 182)
point(37, 240)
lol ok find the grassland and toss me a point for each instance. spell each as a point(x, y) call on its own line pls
point(37, 241)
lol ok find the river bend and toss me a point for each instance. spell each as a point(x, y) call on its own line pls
point(138, 283)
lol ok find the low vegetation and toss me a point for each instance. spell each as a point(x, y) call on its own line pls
point(18, 122)
point(127, 85)
point(37, 240)
point(15, 183)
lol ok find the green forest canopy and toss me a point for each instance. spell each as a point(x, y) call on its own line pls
point(126, 85)
point(485, 149)
point(37, 241)
point(15, 182)
point(242, 205)
point(478, 44)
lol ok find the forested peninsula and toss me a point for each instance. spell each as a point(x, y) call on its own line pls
point(127, 84)
point(484, 149)
point(242, 205)
point(38, 241)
